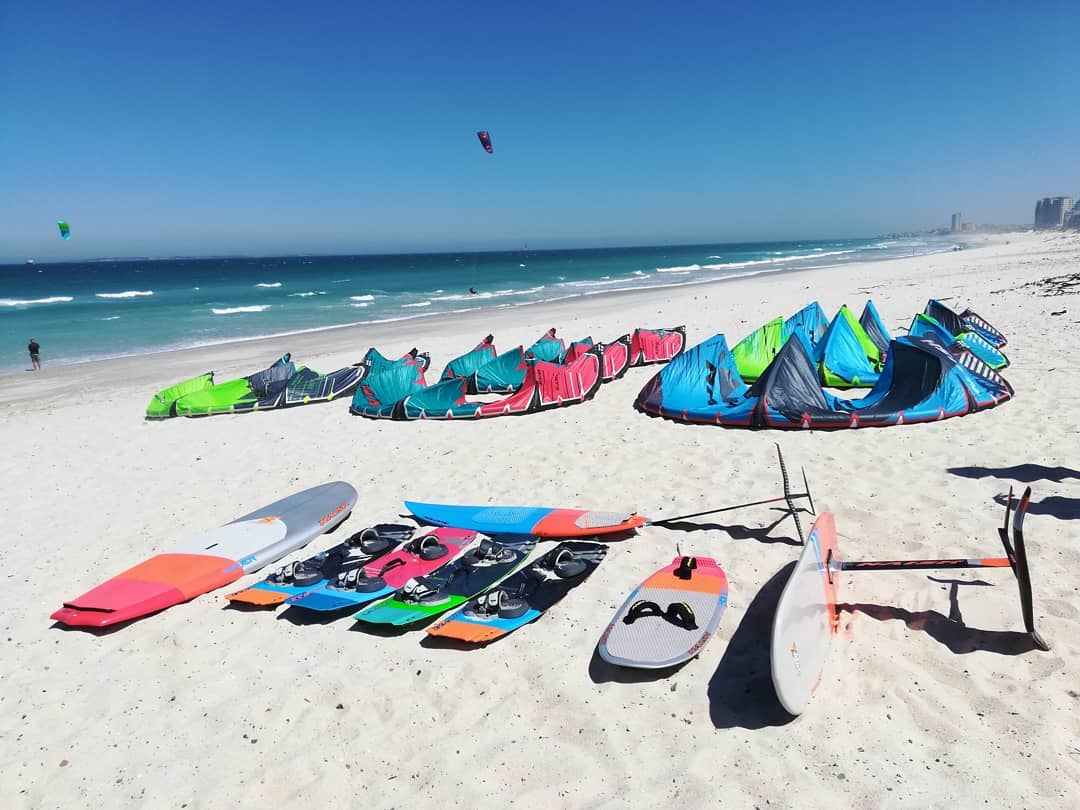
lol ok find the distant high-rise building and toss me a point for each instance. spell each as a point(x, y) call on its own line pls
point(957, 223)
point(1052, 212)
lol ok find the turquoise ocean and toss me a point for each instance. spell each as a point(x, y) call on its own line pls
point(82, 311)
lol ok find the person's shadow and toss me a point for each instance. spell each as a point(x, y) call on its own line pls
point(1025, 473)
point(1056, 506)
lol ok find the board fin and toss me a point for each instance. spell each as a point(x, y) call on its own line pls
point(1017, 554)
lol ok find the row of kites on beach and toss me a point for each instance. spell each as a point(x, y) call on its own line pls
point(547, 374)
point(782, 375)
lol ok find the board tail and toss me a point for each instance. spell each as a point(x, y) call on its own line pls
point(1017, 554)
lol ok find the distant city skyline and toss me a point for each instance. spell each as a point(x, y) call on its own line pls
point(1052, 212)
point(246, 129)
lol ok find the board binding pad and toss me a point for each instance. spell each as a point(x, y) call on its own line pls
point(418, 557)
point(316, 572)
point(806, 618)
point(213, 559)
point(524, 596)
point(541, 521)
point(477, 569)
point(669, 617)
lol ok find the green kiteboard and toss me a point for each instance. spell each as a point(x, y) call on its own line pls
point(481, 566)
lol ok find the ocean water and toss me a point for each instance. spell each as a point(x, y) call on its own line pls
point(93, 310)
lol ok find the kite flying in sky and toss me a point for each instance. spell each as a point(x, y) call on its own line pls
point(65, 231)
point(485, 141)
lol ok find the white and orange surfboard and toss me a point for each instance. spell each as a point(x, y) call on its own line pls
point(806, 618)
point(213, 559)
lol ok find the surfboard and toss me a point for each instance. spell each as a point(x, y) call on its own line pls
point(213, 559)
point(522, 597)
point(425, 553)
point(480, 567)
point(318, 571)
point(669, 617)
point(806, 618)
point(541, 521)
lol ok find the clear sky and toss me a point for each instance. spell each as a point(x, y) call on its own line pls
point(279, 127)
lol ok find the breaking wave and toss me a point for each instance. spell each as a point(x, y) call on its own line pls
point(23, 302)
point(125, 294)
point(235, 310)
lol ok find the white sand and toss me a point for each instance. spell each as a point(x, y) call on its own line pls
point(203, 706)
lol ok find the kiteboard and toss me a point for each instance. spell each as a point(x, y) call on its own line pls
point(380, 578)
point(213, 559)
point(318, 571)
point(669, 617)
point(480, 567)
point(805, 618)
point(522, 597)
point(540, 521)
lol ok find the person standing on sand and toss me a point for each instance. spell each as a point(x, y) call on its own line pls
point(35, 354)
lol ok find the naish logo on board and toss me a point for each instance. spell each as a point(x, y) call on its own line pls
point(334, 514)
point(795, 657)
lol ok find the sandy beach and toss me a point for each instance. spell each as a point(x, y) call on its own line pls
point(932, 696)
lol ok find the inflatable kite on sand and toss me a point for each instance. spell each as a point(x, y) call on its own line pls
point(924, 379)
point(545, 385)
point(281, 385)
point(849, 352)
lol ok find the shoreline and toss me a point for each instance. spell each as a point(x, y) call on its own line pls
point(442, 318)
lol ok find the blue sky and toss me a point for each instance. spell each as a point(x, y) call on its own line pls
point(262, 128)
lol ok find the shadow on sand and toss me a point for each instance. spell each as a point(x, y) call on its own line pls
point(390, 630)
point(952, 633)
point(740, 691)
point(600, 671)
point(306, 618)
point(736, 531)
point(1056, 506)
point(1026, 473)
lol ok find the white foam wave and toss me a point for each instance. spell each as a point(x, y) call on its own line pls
point(111, 318)
point(23, 302)
point(236, 310)
point(418, 304)
point(361, 297)
point(271, 284)
point(361, 304)
point(596, 283)
point(483, 295)
point(307, 294)
point(685, 269)
point(125, 294)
